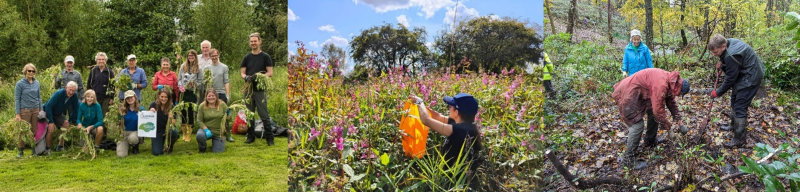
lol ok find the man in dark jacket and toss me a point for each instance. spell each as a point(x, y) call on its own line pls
point(743, 74)
point(100, 81)
point(63, 100)
point(646, 92)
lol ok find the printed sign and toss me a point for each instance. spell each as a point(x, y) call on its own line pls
point(147, 124)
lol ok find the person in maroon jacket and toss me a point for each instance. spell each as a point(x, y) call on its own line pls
point(646, 92)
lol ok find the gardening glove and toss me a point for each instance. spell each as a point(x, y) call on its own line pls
point(160, 87)
point(714, 94)
point(208, 134)
point(250, 78)
point(624, 74)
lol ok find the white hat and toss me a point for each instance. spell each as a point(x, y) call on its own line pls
point(636, 33)
point(130, 93)
point(69, 58)
point(131, 56)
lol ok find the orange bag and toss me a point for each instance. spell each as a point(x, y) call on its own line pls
point(416, 133)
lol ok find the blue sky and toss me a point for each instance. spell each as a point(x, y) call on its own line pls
point(337, 21)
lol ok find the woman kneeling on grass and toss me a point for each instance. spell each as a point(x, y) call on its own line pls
point(163, 109)
point(90, 118)
point(459, 127)
point(210, 115)
point(130, 116)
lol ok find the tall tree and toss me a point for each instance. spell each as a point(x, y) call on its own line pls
point(550, 16)
point(610, 36)
point(226, 23)
point(271, 20)
point(335, 56)
point(648, 7)
point(684, 41)
point(573, 11)
point(492, 44)
point(385, 47)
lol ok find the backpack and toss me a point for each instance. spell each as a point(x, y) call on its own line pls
point(276, 131)
point(40, 145)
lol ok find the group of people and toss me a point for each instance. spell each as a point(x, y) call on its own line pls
point(645, 90)
point(86, 108)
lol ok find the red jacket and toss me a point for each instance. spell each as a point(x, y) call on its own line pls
point(648, 89)
point(170, 80)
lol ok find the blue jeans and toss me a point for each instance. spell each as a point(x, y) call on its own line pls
point(158, 142)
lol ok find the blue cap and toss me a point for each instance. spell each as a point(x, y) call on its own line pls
point(685, 88)
point(464, 103)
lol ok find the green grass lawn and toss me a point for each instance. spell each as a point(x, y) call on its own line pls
point(242, 167)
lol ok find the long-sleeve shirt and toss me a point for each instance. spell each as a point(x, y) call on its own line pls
point(731, 69)
point(186, 76)
point(27, 95)
point(99, 81)
point(90, 115)
point(66, 77)
point(220, 72)
point(60, 103)
point(648, 89)
point(138, 77)
point(203, 62)
point(169, 79)
point(211, 117)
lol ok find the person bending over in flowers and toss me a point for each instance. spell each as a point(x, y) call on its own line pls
point(459, 127)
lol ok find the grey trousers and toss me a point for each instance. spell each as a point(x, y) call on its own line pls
point(129, 138)
point(635, 134)
point(217, 143)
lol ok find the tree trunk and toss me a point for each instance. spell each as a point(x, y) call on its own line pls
point(610, 36)
point(704, 31)
point(684, 42)
point(648, 7)
point(572, 15)
point(768, 12)
point(550, 16)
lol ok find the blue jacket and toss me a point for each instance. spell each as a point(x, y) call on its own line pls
point(635, 61)
point(138, 77)
point(59, 103)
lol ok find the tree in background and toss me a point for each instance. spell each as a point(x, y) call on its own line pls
point(385, 47)
point(335, 56)
point(227, 24)
point(146, 28)
point(492, 44)
point(271, 20)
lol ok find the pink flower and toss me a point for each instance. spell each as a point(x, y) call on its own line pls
point(521, 113)
point(524, 144)
point(339, 143)
point(542, 137)
point(531, 129)
point(314, 133)
point(183, 89)
point(352, 130)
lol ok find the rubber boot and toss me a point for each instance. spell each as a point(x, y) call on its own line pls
point(269, 135)
point(731, 125)
point(251, 133)
point(739, 134)
point(230, 137)
point(135, 149)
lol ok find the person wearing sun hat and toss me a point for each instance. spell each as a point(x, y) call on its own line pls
point(138, 77)
point(130, 118)
point(637, 55)
point(459, 126)
point(646, 92)
point(69, 74)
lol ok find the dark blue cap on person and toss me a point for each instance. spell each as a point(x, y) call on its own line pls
point(685, 87)
point(464, 103)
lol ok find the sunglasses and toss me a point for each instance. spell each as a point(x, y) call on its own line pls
point(31, 71)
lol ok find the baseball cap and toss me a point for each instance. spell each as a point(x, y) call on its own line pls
point(130, 93)
point(69, 58)
point(464, 103)
point(131, 56)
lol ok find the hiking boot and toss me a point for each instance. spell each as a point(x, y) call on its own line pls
point(96, 150)
point(59, 148)
point(202, 150)
point(739, 134)
point(47, 152)
point(632, 162)
point(249, 140)
point(135, 149)
point(270, 141)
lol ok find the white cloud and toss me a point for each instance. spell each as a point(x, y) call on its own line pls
point(338, 41)
point(351, 34)
point(494, 17)
point(313, 44)
point(463, 14)
point(403, 20)
point(429, 45)
point(291, 53)
point(328, 28)
point(292, 16)
point(428, 7)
